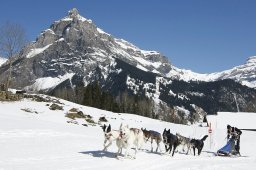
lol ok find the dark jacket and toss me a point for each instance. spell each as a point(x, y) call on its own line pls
point(233, 132)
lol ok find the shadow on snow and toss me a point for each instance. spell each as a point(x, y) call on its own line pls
point(100, 154)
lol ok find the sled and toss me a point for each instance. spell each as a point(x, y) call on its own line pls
point(228, 149)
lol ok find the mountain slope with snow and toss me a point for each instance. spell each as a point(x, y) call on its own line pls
point(42, 139)
point(2, 61)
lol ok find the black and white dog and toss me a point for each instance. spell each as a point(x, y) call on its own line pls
point(110, 136)
point(170, 140)
point(198, 143)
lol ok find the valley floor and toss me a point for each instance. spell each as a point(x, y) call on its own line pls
point(44, 140)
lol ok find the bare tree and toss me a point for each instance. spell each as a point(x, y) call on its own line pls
point(12, 39)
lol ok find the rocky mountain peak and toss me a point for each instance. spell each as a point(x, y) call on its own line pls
point(73, 12)
point(251, 60)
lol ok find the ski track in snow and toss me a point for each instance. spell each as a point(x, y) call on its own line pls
point(46, 141)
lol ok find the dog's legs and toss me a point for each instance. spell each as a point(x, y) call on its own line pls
point(157, 145)
point(158, 141)
point(127, 152)
point(151, 144)
point(170, 149)
point(174, 147)
point(140, 144)
point(194, 150)
point(183, 148)
point(136, 150)
point(188, 148)
point(199, 150)
point(106, 146)
point(119, 151)
point(166, 149)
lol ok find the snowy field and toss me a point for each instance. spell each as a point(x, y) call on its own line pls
point(45, 141)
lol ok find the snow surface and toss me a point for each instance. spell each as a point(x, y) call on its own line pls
point(102, 32)
point(48, 82)
point(2, 61)
point(37, 51)
point(141, 67)
point(143, 62)
point(44, 140)
point(48, 31)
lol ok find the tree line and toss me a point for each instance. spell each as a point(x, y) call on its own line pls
point(92, 95)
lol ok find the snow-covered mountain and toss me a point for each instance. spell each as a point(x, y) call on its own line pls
point(74, 51)
point(75, 44)
point(244, 74)
point(35, 137)
point(2, 61)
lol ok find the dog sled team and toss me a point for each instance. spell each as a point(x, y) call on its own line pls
point(133, 138)
point(233, 142)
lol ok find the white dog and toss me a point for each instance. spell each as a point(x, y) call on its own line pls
point(110, 136)
point(129, 137)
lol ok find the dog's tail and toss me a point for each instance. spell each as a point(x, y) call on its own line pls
point(203, 139)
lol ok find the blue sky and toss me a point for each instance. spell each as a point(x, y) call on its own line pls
point(201, 35)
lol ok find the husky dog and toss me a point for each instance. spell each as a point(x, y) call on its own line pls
point(198, 143)
point(170, 140)
point(185, 141)
point(152, 135)
point(129, 137)
point(110, 136)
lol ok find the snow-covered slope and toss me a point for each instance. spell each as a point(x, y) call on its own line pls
point(2, 61)
point(42, 139)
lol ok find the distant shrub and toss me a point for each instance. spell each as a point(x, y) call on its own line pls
point(103, 119)
point(73, 110)
point(55, 107)
point(89, 120)
point(74, 115)
point(29, 110)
